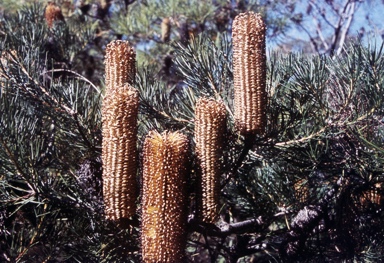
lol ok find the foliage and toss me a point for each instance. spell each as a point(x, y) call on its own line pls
point(307, 190)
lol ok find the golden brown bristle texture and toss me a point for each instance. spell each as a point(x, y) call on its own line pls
point(372, 196)
point(120, 64)
point(210, 127)
point(52, 13)
point(119, 152)
point(249, 73)
point(165, 160)
point(165, 29)
point(301, 190)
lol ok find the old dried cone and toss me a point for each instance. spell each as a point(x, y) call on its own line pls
point(249, 73)
point(119, 152)
point(119, 117)
point(210, 127)
point(165, 160)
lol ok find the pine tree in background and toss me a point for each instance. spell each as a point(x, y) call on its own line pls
point(308, 188)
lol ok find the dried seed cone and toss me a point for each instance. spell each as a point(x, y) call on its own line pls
point(120, 64)
point(165, 161)
point(119, 152)
point(301, 191)
point(165, 29)
point(249, 73)
point(210, 126)
point(52, 13)
point(105, 3)
point(372, 196)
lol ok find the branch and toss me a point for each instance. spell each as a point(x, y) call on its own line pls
point(304, 222)
point(345, 30)
point(64, 108)
point(299, 230)
point(303, 139)
point(225, 229)
point(161, 114)
point(77, 75)
point(321, 12)
point(15, 162)
point(340, 30)
point(59, 106)
point(340, 124)
point(312, 39)
point(248, 144)
point(83, 135)
point(320, 34)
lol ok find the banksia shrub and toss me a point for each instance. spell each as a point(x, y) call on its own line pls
point(249, 73)
point(52, 13)
point(165, 160)
point(119, 153)
point(120, 64)
point(210, 126)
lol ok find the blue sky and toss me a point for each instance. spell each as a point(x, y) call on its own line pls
point(369, 15)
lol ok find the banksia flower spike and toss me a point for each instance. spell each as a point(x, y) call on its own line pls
point(372, 196)
point(165, 160)
point(301, 191)
point(119, 152)
point(52, 13)
point(210, 126)
point(120, 64)
point(249, 73)
point(165, 29)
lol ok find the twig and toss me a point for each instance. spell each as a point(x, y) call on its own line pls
point(303, 139)
point(304, 222)
point(340, 31)
point(16, 164)
point(77, 75)
point(248, 144)
point(64, 108)
point(226, 229)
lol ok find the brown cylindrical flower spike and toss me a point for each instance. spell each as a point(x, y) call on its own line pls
point(120, 64)
point(52, 13)
point(210, 126)
point(301, 191)
point(372, 196)
point(165, 29)
point(119, 152)
point(165, 160)
point(249, 73)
